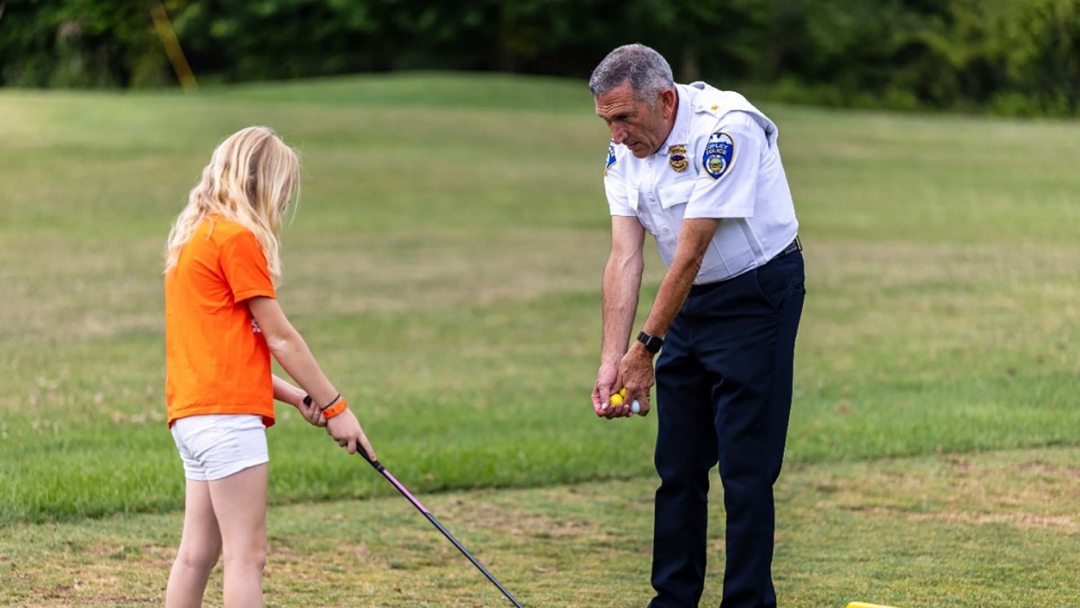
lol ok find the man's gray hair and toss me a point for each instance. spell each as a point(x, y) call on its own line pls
point(646, 70)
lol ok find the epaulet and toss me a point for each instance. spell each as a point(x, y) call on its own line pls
point(710, 103)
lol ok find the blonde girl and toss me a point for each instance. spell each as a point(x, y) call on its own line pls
point(222, 324)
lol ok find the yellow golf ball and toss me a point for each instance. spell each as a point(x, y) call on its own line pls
point(616, 399)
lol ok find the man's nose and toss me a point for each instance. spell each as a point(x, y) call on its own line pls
point(618, 134)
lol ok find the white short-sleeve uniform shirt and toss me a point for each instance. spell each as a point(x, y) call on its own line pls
point(720, 161)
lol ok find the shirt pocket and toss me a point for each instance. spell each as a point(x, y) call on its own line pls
point(675, 194)
point(673, 199)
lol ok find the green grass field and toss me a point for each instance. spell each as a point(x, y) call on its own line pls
point(444, 265)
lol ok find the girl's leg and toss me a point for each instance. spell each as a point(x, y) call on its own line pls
point(240, 505)
point(200, 547)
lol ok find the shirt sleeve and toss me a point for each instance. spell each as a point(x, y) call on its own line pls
point(615, 186)
point(245, 267)
point(730, 160)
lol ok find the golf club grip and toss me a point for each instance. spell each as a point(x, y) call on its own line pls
point(374, 463)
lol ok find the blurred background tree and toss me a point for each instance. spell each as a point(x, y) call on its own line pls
point(1014, 57)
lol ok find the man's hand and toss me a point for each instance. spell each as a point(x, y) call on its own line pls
point(622, 280)
point(345, 429)
point(636, 373)
point(607, 384)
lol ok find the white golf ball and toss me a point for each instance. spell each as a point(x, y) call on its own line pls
point(635, 407)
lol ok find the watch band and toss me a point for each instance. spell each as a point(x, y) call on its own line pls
point(652, 343)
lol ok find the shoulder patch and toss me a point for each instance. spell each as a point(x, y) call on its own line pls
point(718, 154)
point(610, 156)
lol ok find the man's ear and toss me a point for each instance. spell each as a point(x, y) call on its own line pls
point(668, 101)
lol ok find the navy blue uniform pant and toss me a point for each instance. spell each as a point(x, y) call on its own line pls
point(723, 392)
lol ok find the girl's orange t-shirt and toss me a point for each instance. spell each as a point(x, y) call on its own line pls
point(216, 359)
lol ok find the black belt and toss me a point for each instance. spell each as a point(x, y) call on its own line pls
point(795, 245)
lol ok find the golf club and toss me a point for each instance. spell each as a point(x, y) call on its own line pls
point(416, 503)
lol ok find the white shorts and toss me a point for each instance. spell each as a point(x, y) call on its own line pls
point(216, 446)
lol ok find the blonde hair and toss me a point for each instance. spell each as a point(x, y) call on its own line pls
point(250, 180)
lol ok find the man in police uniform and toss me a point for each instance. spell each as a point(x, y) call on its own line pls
point(699, 169)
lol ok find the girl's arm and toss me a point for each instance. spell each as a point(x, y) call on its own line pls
point(287, 393)
point(290, 350)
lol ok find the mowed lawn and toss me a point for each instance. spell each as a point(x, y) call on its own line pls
point(444, 265)
point(994, 530)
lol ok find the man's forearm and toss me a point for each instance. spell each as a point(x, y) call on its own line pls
point(679, 278)
point(622, 282)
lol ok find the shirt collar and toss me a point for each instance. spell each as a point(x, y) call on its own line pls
point(681, 131)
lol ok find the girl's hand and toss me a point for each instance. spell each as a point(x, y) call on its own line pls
point(311, 413)
point(345, 429)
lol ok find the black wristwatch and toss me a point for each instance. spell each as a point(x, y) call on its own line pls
point(652, 343)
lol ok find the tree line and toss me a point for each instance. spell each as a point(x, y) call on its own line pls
point(1012, 57)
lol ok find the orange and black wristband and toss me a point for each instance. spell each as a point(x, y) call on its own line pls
point(335, 407)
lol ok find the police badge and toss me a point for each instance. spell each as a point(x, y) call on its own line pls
point(718, 154)
point(677, 158)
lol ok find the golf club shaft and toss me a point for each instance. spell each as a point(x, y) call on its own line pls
point(472, 559)
point(435, 522)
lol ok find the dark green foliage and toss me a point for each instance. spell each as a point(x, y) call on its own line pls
point(1014, 57)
